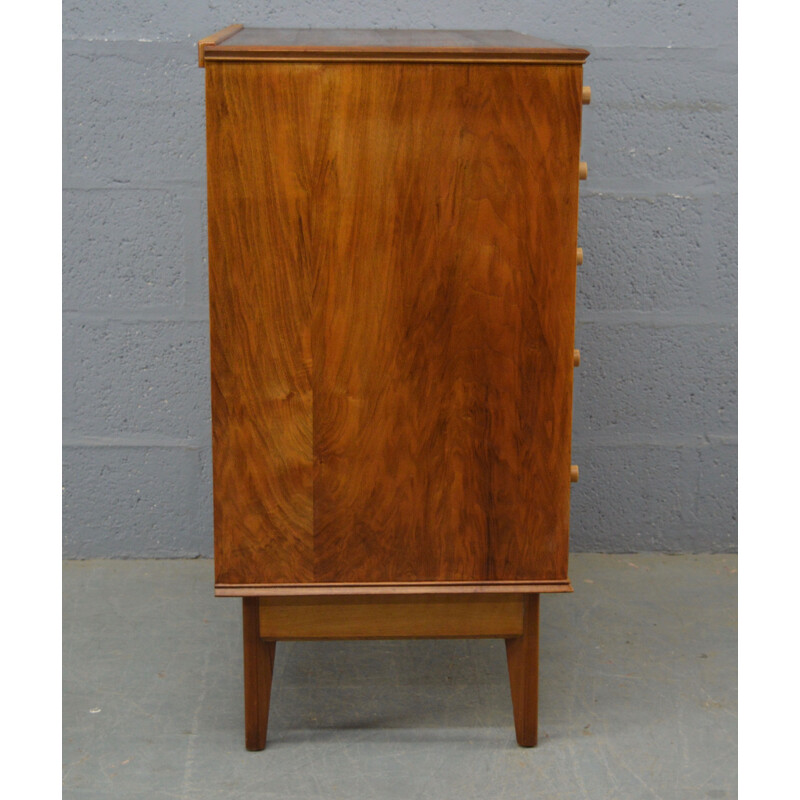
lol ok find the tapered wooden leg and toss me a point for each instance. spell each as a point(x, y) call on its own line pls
point(259, 658)
point(523, 671)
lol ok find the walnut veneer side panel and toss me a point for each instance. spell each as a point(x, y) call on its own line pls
point(397, 242)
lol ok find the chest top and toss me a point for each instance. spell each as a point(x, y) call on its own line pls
point(237, 43)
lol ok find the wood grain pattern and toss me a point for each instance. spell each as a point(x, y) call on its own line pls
point(393, 617)
point(523, 671)
point(305, 44)
point(392, 268)
point(260, 289)
point(259, 659)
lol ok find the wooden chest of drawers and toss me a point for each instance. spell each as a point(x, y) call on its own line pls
point(392, 263)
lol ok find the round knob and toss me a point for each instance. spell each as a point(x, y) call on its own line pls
point(583, 171)
point(580, 256)
point(586, 95)
point(573, 473)
point(576, 358)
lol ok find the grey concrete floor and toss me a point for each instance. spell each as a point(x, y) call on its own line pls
point(637, 694)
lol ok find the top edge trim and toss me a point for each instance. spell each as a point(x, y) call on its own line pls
point(237, 43)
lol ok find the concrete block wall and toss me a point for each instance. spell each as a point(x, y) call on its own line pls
point(655, 395)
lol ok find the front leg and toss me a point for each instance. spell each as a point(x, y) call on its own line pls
point(259, 658)
point(523, 671)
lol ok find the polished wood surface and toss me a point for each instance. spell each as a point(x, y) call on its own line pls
point(305, 44)
point(523, 671)
point(215, 39)
point(392, 270)
point(393, 617)
point(259, 659)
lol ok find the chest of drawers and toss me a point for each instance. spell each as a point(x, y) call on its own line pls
point(392, 263)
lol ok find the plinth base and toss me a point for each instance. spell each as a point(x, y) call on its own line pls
point(513, 617)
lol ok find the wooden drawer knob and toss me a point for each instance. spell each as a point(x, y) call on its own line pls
point(580, 256)
point(583, 171)
point(576, 358)
point(586, 95)
point(573, 473)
